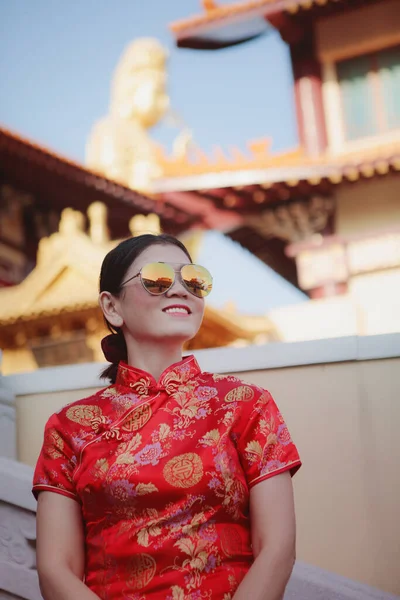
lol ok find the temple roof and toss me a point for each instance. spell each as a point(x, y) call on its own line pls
point(247, 196)
point(225, 25)
point(61, 183)
point(63, 283)
point(258, 166)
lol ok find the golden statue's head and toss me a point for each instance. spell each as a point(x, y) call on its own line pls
point(139, 84)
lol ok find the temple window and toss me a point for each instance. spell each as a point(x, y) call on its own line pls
point(369, 93)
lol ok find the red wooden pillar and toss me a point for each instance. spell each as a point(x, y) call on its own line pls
point(308, 95)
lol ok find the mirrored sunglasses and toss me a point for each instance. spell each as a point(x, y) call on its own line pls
point(158, 277)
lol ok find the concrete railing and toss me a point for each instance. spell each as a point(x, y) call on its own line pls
point(311, 583)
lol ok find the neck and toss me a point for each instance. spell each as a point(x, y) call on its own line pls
point(152, 356)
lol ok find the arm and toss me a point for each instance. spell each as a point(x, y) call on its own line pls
point(60, 549)
point(273, 537)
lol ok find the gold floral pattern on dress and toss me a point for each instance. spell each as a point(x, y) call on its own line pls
point(184, 471)
point(124, 459)
point(53, 444)
point(225, 483)
point(228, 378)
point(162, 471)
point(141, 386)
point(101, 424)
point(188, 404)
point(83, 413)
point(196, 550)
point(242, 393)
point(173, 380)
point(100, 468)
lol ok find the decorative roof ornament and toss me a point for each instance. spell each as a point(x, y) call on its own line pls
point(209, 5)
point(140, 224)
point(71, 222)
point(97, 213)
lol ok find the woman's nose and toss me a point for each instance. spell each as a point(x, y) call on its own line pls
point(177, 288)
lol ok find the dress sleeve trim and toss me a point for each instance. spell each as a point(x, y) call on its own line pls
point(42, 487)
point(292, 466)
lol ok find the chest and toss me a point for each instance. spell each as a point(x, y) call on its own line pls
point(162, 453)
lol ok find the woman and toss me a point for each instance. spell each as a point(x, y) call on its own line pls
point(171, 483)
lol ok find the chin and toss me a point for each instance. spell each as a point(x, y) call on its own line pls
point(179, 335)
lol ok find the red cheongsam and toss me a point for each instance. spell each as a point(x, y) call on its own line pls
point(162, 472)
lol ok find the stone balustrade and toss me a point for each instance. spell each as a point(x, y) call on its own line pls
point(8, 438)
point(18, 575)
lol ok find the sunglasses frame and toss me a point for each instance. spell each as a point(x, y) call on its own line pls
point(139, 274)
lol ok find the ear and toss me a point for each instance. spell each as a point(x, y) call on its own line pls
point(109, 305)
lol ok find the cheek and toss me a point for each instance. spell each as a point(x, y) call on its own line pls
point(136, 306)
point(199, 309)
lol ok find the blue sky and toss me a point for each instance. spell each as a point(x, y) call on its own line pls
point(56, 63)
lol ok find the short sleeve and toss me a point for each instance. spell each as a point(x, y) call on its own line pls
point(56, 462)
point(265, 446)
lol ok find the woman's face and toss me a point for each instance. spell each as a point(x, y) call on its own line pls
point(146, 317)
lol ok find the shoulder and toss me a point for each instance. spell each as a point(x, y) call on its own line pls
point(82, 411)
point(75, 423)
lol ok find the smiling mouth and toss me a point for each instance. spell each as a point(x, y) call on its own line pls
point(177, 310)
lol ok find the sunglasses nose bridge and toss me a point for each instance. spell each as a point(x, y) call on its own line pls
point(178, 284)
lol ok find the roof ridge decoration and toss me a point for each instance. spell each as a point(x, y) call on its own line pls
point(257, 154)
point(216, 13)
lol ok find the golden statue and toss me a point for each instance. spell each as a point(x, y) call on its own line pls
point(119, 146)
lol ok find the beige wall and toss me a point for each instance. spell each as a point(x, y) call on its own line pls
point(377, 296)
point(358, 31)
point(371, 205)
point(344, 418)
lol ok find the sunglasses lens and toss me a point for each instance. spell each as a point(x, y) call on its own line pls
point(157, 278)
point(197, 280)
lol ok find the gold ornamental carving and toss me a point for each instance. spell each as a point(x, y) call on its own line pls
point(294, 221)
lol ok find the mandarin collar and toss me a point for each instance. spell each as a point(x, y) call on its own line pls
point(143, 383)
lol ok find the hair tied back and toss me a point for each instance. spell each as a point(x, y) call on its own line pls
point(114, 348)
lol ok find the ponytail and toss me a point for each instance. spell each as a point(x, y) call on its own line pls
point(114, 350)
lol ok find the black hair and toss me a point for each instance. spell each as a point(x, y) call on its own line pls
point(113, 270)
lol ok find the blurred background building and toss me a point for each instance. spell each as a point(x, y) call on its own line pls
point(325, 215)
